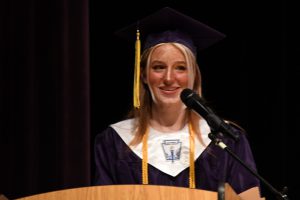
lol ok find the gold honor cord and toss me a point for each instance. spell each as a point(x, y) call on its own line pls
point(192, 154)
point(145, 158)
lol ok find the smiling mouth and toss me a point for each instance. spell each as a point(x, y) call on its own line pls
point(169, 90)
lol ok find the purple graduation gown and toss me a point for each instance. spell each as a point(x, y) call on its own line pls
point(117, 164)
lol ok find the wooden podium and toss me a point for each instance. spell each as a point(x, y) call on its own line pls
point(133, 192)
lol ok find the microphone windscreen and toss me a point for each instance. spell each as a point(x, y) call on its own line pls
point(186, 94)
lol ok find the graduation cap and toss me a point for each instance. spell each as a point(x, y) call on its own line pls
point(167, 25)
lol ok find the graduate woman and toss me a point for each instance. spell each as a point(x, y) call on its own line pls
point(162, 142)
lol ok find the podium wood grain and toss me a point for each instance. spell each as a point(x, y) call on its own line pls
point(132, 192)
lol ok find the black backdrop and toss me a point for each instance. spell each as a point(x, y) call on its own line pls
point(52, 108)
point(44, 96)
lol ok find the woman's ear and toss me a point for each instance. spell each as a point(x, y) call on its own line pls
point(144, 77)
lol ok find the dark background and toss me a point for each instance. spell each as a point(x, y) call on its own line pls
point(64, 77)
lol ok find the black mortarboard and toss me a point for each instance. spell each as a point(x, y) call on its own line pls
point(167, 25)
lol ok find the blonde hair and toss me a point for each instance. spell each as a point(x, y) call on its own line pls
point(143, 114)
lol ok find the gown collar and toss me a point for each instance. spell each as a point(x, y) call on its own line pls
point(168, 152)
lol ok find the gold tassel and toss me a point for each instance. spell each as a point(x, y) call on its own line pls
point(136, 86)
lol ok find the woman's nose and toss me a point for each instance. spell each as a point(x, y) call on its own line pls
point(169, 76)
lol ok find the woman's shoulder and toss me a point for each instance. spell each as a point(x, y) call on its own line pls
point(127, 124)
point(124, 125)
point(122, 129)
point(236, 126)
point(240, 135)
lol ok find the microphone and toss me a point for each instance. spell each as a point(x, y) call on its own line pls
point(195, 102)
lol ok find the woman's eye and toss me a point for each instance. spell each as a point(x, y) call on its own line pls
point(181, 68)
point(158, 67)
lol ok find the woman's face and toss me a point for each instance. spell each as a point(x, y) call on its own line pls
point(167, 74)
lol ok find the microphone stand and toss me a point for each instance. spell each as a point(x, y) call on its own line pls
point(218, 142)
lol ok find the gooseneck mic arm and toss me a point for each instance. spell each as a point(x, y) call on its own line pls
point(218, 142)
point(195, 102)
